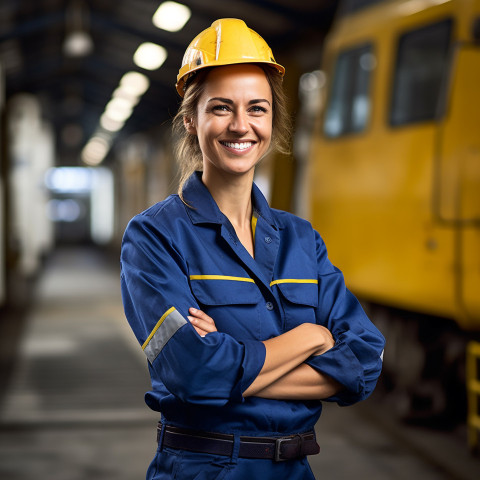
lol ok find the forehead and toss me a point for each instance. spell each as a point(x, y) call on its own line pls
point(237, 81)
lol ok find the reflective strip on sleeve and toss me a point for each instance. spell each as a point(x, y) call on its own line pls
point(294, 280)
point(221, 277)
point(168, 324)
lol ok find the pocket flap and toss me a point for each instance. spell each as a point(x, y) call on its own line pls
point(225, 291)
point(302, 292)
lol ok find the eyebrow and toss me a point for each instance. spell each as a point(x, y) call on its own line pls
point(230, 102)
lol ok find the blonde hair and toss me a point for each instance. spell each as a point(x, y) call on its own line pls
point(187, 149)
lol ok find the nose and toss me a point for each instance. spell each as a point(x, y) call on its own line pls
point(239, 123)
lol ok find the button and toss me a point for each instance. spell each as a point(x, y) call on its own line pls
point(268, 239)
point(269, 305)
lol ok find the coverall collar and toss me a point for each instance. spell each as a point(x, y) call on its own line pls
point(203, 208)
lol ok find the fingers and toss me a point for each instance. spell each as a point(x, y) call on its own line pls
point(202, 323)
point(201, 332)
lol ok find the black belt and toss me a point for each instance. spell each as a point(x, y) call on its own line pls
point(274, 448)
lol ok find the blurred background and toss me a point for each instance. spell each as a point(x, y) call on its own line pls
point(385, 99)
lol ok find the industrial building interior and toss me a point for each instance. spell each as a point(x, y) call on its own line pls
point(87, 95)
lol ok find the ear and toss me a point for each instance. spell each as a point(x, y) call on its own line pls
point(190, 125)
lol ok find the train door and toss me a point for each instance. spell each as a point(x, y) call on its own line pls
point(457, 189)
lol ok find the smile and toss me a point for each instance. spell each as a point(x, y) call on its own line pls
point(238, 146)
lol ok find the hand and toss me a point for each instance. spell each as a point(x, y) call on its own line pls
point(201, 322)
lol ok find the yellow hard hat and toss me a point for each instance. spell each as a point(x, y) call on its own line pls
point(228, 41)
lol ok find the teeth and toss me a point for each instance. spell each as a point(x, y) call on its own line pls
point(238, 146)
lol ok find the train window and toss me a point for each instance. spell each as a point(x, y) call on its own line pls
point(420, 68)
point(348, 108)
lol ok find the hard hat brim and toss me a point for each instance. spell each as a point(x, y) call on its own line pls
point(182, 79)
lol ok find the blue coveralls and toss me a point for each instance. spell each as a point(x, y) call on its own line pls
point(176, 256)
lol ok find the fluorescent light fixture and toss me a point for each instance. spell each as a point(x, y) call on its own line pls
point(78, 44)
point(171, 16)
point(118, 109)
point(110, 124)
point(135, 83)
point(120, 92)
point(150, 56)
point(119, 103)
point(124, 99)
point(95, 151)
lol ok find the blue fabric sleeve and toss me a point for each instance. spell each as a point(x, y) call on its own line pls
point(355, 361)
point(210, 370)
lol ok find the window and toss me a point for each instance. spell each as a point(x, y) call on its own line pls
point(348, 107)
point(421, 65)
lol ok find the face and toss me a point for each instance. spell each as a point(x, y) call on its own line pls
point(234, 119)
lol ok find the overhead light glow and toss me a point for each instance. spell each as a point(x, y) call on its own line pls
point(110, 124)
point(95, 151)
point(78, 44)
point(150, 56)
point(135, 83)
point(68, 180)
point(118, 109)
point(171, 16)
point(120, 92)
point(119, 103)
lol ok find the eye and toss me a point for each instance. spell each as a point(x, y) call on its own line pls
point(257, 109)
point(221, 108)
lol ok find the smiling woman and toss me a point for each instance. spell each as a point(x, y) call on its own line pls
point(188, 151)
point(246, 324)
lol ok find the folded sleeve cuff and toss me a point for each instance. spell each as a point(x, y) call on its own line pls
point(253, 361)
point(342, 365)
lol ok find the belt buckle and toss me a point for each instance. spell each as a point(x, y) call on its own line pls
point(278, 445)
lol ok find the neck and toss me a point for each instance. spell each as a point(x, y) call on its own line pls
point(233, 195)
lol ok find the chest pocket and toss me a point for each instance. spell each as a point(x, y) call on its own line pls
point(221, 290)
point(232, 302)
point(299, 299)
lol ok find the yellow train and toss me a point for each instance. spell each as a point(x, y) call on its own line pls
point(395, 181)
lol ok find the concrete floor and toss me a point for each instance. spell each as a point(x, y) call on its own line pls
point(74, 410)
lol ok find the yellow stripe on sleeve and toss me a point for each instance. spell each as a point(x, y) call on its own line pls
point(157, 326)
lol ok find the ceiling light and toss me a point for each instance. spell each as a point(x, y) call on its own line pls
point(95, 151)
point(150, 56)
point(135, 83)
point(78, 44)
point(118, 109)
point(78, 41)
point(110, 124)
point(171, 16)
point(120, 92)
point(120, 103)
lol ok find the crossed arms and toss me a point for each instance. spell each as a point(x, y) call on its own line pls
point(284, 375)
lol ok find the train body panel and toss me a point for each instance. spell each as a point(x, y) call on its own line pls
point(395, 182)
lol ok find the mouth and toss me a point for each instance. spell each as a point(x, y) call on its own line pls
point(238, 146)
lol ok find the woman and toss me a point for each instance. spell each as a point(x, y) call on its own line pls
point(246, 324)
